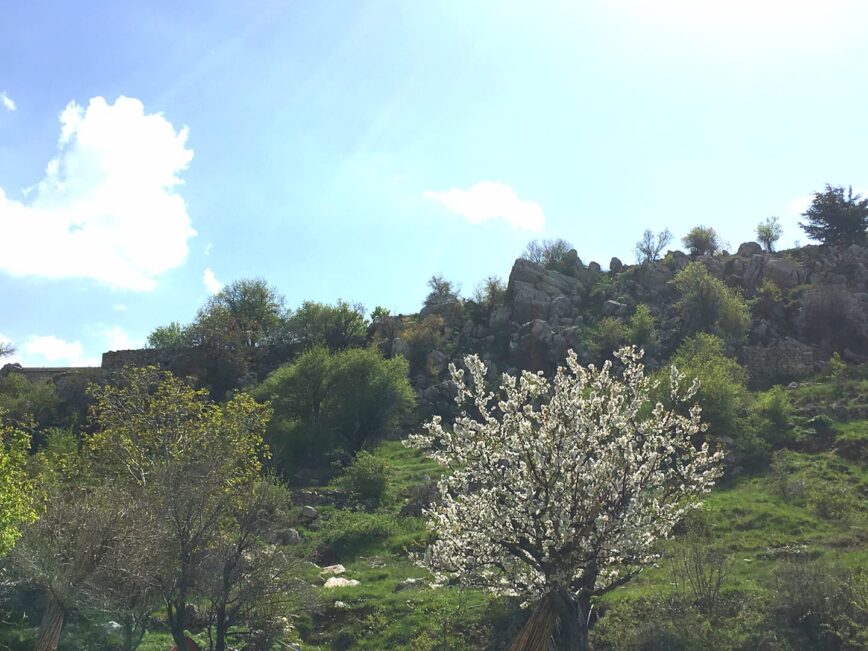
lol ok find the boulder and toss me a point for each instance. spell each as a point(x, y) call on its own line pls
point(784, 272)
point(289, 537)
point(614, 308)
point(340, 582)
point(616, 266)
point(747, 249)
point(333, 569)
point(594, 267)
point(408, 584)
point(308, 514)
point(653, 277)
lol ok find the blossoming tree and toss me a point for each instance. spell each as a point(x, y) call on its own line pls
point(557, 489)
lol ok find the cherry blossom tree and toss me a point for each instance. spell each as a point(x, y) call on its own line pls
point(557, 490)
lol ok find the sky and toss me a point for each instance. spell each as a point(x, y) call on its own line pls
point(152, 152)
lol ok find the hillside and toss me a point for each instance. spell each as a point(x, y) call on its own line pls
point(775, 559)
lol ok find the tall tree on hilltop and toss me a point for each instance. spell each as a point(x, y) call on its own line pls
point(836, 217)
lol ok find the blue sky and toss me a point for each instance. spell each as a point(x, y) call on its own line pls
point(151, 151)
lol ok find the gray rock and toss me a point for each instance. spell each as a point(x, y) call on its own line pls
point(784, 272)
point(653, 277)
point(340, 582)
point(308, 514)
point(616, 266)
point(289, 537)
point(408, 584)
point(594, 267)
point(747, 249)
point(613, 308)
point(561, 307)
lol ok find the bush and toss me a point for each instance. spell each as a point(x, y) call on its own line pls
point(366, 478)
point(701, 240)
point(722, 393)
point(822, 603)
point(610, 335)
point(836, 218)
point(344, 534)
point(707, 304)
point(551, 254)
point(768, 296)
point(642, 330)
point(423, 337)
point(772, 412)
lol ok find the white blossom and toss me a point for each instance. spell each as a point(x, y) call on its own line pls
point(564, 483)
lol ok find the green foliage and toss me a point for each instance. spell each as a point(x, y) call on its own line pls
point(346, 533)
point(325, 401)
point(769, 232)
point(708, 305)
point(837, 218)
point(701, 240)
point(490, 292)
point(768, 297)
point(423, 337)
point(170, 336)
point(366, 477)
point(33, 405)
point(642, 329)
point(380, 312)
point(772, 412)
point(722, 393)
point(442, 291)
point(337, 327)
point(611, 333)
point(16, 488)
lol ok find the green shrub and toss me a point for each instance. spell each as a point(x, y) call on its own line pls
point(344, 534)
point(366, 478)
point(642, 329)
point(772, 413)
point(708, 305)
point(701, 240)
point(610, 335)
point(768, 296)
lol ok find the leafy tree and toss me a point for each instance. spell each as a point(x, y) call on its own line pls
point(707, 304)
point(442, 291)
point(6, 349)
point(16, 488)
point(837, 218)
point(722, 392)
point(325, 401)
point(32, 405)
point(648, 249)
point(701, 240)
point(643, 329)
point(169, 336)
point(490, 292)
point(558, 489)
point(380, 312)
point(336, 327)
point(183, 461)
point(769, 232)
point(255, 307)
point(79, 521)
point(548, 253)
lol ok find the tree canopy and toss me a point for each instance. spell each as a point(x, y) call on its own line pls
point(16, 488)
point(837, 217)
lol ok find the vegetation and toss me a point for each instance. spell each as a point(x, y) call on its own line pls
point(16, 489)
point(708, 305)
point(649, 248)
point(572, 487)
point(836, 217)
point(548, 253)
point(701, 240)
point(768, 232)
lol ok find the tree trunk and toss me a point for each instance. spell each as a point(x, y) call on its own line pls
point(51, 625)
point(557, 624)
point(220, 641)
point(177, 621)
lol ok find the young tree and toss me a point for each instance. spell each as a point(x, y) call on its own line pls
point(648, 249)
point(16, 488)
point(837, 218)
point(701, 240)
point(183, 460)
point(769, 232)
point(337, 327)
point(173, 335)
point(558, 489)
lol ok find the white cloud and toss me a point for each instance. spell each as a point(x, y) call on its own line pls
point(116, 338)
point(120, 307)
point(490, 200)
point(800, 204)
point(7, 102)
point(48, 350)
point(107, 208)
point(211, 283)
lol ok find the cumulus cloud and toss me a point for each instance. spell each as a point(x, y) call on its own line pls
point(7, 101)
point(108, 207)
point(211, 283)
point(116, 338)
point(491, 200)
point(48, 350)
